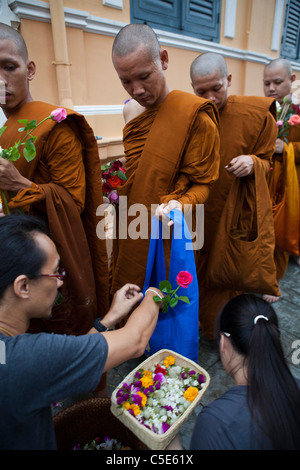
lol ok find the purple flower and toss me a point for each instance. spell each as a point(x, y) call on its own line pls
point(159, 377)
point(183, 375)
point(120, 400)
point(113, 197)
point(165, 427)
point(138, 375)
point(137, 399)
point(201, 379)
point(169, 408)
point(192, 372)
point(151, 389)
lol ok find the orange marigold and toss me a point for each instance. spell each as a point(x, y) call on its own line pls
point(191, 393)
point(146, 381)
point(169, 361)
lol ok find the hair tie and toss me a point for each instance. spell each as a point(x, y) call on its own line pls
point(258, 317)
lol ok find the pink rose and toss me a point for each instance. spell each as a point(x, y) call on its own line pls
point(59, 114)
point(113, 197)
point(279, 123)
point(294, 120)
point(184, 278)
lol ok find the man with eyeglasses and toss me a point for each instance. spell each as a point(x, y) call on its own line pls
point(42, 368)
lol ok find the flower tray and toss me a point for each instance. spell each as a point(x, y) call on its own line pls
point(147, 436)
point(88, 419)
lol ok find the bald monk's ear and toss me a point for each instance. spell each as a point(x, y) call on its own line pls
point(164, 58)
point(30, 70)
point(229, 77)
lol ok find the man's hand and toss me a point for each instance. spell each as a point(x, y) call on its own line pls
point(279, 146)
point(240, 166)
point(123, 302)
point(164, 209)
point(10, 178)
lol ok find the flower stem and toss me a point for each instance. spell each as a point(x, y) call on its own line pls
point(4, 200)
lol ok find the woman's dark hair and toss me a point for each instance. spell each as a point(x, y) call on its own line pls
point(19, 252)
point(273, 394)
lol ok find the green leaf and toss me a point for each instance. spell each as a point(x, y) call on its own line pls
point(29, 151)
point(173, 302)
point(165, 286)
point(32, 124)
point(184, 299)
point(23, 121)
point(121, 175)
point(2, 129)
point(13, 154)
point(156, 298)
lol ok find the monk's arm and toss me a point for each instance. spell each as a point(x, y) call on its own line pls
point(200, 163)
point(265, 144)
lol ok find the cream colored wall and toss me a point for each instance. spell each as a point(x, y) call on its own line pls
point(95, 82)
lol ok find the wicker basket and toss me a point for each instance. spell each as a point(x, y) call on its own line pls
point(87, 419)
point(152, 440)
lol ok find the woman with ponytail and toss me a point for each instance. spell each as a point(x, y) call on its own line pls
point(262, 410)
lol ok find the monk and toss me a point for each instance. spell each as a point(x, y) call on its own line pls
point(62, 185)
point(247, 134)
point(171, 143)
point(278, 81)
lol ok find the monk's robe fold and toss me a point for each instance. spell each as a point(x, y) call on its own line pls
point(247, 127)
point(293, 137)
point(65, 192)
point(172, 152)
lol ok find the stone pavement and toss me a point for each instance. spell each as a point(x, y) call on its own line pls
point(288, 311)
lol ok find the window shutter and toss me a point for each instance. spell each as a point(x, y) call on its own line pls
point(202, 18)
point(291, 31)
point(157, 12)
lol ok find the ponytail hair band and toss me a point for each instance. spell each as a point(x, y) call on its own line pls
point(258, 317)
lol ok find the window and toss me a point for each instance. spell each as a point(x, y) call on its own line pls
point(199, 18)
point(290, 41)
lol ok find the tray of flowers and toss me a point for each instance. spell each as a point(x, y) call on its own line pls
point(158, 396)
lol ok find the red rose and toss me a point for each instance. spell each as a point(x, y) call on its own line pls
point(106, 188)
point(160, 369)
point(184, 278)
point(115, 181)
point(116, 165)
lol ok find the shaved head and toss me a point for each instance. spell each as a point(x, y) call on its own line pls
point(132, 37)
point(281, 63)
point(208, 64)
point(11, 34)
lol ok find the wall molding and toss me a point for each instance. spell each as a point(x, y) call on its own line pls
point(40, 11)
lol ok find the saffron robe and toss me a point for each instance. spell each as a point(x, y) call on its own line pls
point(66, 191)
point(172, 152)
point(282, 257)
point(247, 127)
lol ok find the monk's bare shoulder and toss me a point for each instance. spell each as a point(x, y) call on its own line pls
point(131, 110)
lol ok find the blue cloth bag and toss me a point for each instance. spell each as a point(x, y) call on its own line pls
point(178, 328)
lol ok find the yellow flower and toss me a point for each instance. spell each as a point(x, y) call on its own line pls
point(191, 393)
point(147, 373)
point(146, 382)
point(136, 409)
point(126, 405)
point(144, 398)
point(169, 361)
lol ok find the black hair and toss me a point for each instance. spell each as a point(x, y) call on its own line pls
point(273, 394)
point(19, 252)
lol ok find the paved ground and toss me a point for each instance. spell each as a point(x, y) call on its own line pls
point(288, 311)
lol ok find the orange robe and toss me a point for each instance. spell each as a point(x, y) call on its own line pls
point(247, 127)
point(172, 152)
point(282, 257)
point(66, 191)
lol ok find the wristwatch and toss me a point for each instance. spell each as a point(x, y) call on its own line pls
point(99, 326)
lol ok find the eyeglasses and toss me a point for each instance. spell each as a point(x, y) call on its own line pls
point(59, 276)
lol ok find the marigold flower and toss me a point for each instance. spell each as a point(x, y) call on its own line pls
point(126, 405)
point(191, 393)
point(169, 361)
point(146, 381)
point(143, 397)
point(147, 373)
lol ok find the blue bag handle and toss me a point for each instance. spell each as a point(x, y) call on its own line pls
point(177, 329)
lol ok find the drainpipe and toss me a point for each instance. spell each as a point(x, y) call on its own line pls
point(61, 61)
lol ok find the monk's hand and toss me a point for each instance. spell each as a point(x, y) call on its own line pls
point(164, 209)
point(279, 146)
point(123, 302)
point(10, 178)
point(240, 166)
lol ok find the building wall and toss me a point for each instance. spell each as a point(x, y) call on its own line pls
point(247, 39)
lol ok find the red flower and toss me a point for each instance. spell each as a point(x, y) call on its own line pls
point(106, 188)
point(116, 165)
point(115, 181)
point(184, 278)
point(160, 369)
